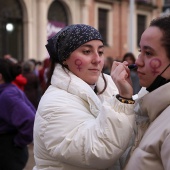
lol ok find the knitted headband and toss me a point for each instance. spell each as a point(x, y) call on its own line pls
point(69, 39)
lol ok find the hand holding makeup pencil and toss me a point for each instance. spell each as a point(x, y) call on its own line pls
point(120, 74)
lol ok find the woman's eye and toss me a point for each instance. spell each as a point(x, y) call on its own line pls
point(101, 53)
point(86, 51)
point(147, 53)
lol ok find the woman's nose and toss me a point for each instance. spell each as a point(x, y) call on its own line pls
point(139, 60)
point(96, 58)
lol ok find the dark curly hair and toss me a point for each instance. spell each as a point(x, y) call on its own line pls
point(129, 54)
point(9, 70)
point(163, 23)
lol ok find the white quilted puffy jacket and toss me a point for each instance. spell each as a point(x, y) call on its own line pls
point(77, 130)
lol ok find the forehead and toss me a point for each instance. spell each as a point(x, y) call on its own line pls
point(151, 36)
point(93, 43)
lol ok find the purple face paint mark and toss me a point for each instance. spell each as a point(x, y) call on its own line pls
point(78, 63)
point(155, 64)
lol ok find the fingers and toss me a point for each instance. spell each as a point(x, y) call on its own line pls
point(121, 76)
point(118, 68)
point(116, 63)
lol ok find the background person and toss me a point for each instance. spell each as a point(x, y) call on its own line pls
point(153, 129)
point(108, 61)
point(32, 88)
point(130, 58)
point(16, 119)
point(20, 81)
point(42, 74)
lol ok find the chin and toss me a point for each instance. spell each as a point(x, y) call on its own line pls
point(143, 84)
point(92, 82)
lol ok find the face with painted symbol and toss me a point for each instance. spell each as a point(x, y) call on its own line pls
point(87, 61)
point(153, 58)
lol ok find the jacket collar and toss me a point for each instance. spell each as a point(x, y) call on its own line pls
point(152, 104)
point(66, 80)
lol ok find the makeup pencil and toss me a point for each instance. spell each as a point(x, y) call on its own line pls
point(132, 66)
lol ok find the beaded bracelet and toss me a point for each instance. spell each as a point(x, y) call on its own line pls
point(125, 100)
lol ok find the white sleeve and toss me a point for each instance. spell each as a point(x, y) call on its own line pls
point(78, 138)
point(165, 153)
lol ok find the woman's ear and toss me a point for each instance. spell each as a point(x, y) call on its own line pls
point(64, 63)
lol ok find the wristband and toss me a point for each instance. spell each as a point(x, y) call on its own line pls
point(125, 100)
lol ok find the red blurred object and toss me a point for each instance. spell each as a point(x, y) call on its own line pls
point(20, 81)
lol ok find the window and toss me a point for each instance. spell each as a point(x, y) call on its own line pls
point(167, 2)
point(104, 21)
point(11, 29)
point(57, 12)
point(103, 25)
point(57, 18)
point(141, 25)
point(166, 7)
point(144, 1)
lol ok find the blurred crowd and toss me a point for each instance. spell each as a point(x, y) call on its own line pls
point(32, 80)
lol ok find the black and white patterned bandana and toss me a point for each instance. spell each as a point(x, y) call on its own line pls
point(69, 39)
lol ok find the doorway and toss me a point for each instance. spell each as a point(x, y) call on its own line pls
point(11, 29)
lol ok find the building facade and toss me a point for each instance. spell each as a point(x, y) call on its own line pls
point(25, 25)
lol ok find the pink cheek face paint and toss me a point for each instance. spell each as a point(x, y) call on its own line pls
point(155, 64)
point(78, 63)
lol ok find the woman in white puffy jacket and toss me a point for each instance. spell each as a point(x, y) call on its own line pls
point(83, 121)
